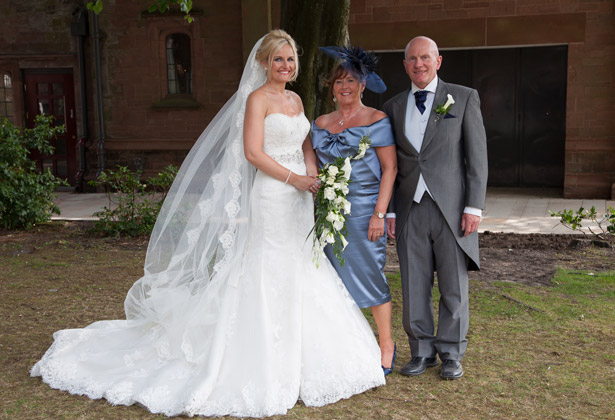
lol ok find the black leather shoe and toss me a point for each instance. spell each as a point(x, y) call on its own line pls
point(418, 365)
point(451, 369)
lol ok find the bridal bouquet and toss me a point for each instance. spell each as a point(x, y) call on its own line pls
point(332, 205)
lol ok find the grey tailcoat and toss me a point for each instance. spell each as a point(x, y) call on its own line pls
point(452, 159)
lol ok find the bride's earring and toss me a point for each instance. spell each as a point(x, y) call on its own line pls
point(361, 95)
point(334, 99)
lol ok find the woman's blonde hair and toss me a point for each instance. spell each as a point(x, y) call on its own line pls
point(271, 44)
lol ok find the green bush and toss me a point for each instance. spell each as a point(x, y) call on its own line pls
point(26, 195)
point(604, 228)
point(133, 205)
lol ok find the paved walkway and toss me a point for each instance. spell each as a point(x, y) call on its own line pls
point(506, 210)
point(527, 210)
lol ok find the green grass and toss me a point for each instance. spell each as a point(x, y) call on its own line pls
point(534, 352)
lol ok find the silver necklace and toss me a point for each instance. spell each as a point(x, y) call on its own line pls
point(341, 122)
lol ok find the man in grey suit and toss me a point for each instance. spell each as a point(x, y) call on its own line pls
point(438, 201)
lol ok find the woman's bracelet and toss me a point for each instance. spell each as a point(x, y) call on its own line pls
point(288, 177)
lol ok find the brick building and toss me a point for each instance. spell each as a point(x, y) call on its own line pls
point(545, 70)
point(161, 78)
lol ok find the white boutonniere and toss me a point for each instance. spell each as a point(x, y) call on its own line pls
point(332, 205)
point(442, 110)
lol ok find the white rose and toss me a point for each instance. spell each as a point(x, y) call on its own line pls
point(345, 189)
point(329, 193)
point(331, 180)
point(347, 207)
point(333, 170)
point(331, 217)
point(339, 200)
point(338, 224)
point(449, 101)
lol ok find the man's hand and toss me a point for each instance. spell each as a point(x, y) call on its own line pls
point(391, 227)
point(469, 223)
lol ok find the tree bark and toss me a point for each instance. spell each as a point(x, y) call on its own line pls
point(313, 24)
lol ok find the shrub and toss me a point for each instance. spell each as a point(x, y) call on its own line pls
point(604, 228)
point(26, 195)
point(133, 205)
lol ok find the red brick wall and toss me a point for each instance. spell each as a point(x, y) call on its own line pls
point(134, 69)
point(588, 27)
point(36, 34)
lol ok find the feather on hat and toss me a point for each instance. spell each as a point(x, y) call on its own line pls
point(359, 61)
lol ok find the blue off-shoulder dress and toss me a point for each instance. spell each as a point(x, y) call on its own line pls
point(363, 270)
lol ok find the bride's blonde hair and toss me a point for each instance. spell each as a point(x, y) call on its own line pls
point(271, 44)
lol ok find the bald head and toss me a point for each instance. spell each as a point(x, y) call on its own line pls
point(432, 45)
point(422, 60)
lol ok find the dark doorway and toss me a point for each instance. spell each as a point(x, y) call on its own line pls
point(51, 92)
point(523, 101)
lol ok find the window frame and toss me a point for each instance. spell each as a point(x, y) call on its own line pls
point(3, 97)
point(170, 61)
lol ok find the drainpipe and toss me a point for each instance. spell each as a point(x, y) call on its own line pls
point(100, 150)
point(79, 28)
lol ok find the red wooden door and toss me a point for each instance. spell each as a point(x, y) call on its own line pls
point(54, 94)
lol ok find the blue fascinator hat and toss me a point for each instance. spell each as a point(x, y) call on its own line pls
point(360, 62)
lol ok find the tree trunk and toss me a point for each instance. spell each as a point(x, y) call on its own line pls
point(313, 24)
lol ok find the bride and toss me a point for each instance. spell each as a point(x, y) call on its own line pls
point(231, 317)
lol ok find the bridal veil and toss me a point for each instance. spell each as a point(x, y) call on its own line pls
point(201, 230)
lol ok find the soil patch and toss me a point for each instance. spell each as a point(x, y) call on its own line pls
point(530, 258)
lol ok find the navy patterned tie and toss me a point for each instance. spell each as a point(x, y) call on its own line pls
point(419, 97)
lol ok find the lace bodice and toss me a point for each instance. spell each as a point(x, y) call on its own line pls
point(284, 136)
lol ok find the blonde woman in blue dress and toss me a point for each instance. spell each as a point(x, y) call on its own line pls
point(232, 317)
point(337, 134)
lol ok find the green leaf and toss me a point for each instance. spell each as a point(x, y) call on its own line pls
point(95, 6)
point(26, 195)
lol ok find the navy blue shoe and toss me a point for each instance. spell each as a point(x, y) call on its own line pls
point(388, 371)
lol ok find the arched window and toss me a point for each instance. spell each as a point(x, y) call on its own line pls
point(179, 64)
point(6, 97)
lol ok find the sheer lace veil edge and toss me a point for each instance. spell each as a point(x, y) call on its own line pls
point(201, 230)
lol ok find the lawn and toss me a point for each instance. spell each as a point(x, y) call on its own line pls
point(535, 351)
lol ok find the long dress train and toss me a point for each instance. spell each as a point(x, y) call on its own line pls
point(280, 329)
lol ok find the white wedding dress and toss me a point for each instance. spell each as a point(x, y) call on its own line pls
point(282, 330)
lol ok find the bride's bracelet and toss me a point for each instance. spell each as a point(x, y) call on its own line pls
point(288, 177)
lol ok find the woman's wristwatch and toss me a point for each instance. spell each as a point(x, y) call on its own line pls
point(379, 215)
